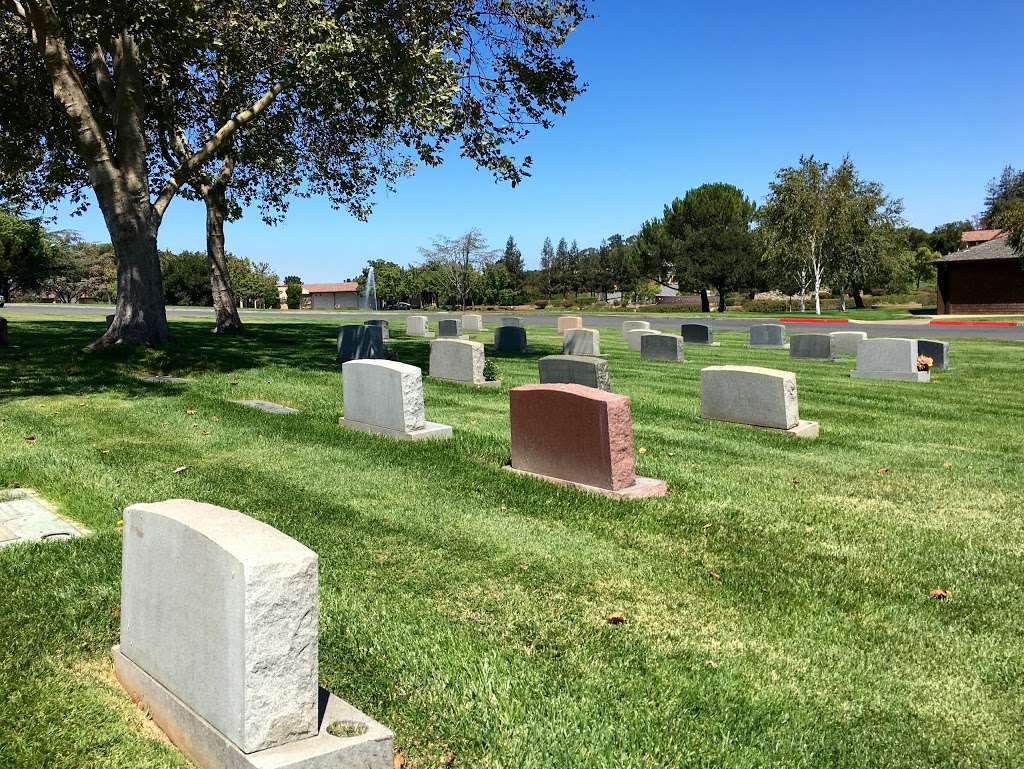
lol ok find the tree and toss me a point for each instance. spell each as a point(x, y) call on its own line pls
point(948, 238)
point(512, 258)
point(656, 250)
point(457, 261)
point(28, 254)
point(390, 281)
point(921, 266)
point(482, 73)
point(186, 278)
point(803, 219)
point(547, 266)
point(1001, 193)
point(711, 226)
point(293, 291)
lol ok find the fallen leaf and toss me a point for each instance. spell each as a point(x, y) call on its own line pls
point(947, 465)
point(883, 470)
point(708, 526)
point(190, 412)
point(234, 383)
point(104, 451)
point(30, 439)
point(214, 419)
point(714, 575)
point(710, 664)
point(641, 450)
point(809, 530)
point(504, 508)
point(671, 453)
point(616, 618)
point(939, 594)
point(206, 432)
point(400, 761)
point(115, 611)
point(449, 759)
point(120, 524)
point(181, 469)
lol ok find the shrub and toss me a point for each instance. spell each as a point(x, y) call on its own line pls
point(540, 304)
point(586, 301)
point(491, 372)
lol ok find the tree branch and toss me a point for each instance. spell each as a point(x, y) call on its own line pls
point(186, 169)
point(104, 83)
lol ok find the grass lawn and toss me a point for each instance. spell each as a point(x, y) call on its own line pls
point(776, 601)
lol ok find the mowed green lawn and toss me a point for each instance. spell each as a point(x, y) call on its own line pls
point(777, 601)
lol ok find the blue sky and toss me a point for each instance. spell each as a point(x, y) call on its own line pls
point(924, 96)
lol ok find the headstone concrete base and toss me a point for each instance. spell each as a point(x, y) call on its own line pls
point(896, 376)
point(641, 488)
point(486, 384)
point(429, 431)
point(805, 428)
point(371, 747)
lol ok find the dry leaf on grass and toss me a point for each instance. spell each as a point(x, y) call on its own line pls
point(30, 439)
point(190, 412)
point(449, 759)
point(710, 664)
point(708, 526)
point(947, 465)
point(400, 761)
point(714, 575)
point(616, 618)
point(939, 594)
point(883, 470)
point(641, 450)
point(115, 611)
point(181, 469)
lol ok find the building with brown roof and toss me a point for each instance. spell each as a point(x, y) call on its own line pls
point(330, 296)
point(986, 278)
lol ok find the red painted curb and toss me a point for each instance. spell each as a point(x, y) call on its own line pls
point(989, 323)
point(813, 320)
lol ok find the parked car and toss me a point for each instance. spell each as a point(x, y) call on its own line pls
point(399, 306)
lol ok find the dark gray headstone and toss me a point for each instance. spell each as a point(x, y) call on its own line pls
point(359, 342)
point(512, 320)
point(767, 335)
point(4, 341)
point(697, 333)
point(812, 346)
point(386, 329)
point(510, 339)
point(575, 369)
point(662, 347)
point(449, 327)
point(937, 350)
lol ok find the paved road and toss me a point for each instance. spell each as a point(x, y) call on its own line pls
point(909, 328)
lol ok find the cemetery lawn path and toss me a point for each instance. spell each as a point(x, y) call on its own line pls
point(776, 602)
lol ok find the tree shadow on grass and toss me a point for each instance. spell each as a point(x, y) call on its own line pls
point(50, 357)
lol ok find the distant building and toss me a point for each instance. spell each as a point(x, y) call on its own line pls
point(974, 237)
point(330, 296)
point(985, 278)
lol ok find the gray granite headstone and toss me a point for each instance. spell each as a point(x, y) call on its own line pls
point(510, 339)
point(450, 327)
point(575, 369)
point(811, 346)
point(662, 347)
point(385, 327)
point(360, 342)
point(697, 333)
point(768, 335)
point(889, 358)
point(512, 320)
point(937, 350)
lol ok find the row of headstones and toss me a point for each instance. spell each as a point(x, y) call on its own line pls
point(878, 358)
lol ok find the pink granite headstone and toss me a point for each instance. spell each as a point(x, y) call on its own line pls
point(576, 434)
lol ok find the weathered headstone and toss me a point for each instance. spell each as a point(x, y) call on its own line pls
point(634, 325)
point(845, 342)
point(568, 433)
point(581, 341)
point(634, 336)
point(768, 335)
point(567, 322)
point(384, 325)
point(698, 333)
point(937, 350)
point(416, 325)
point(510, 339)
point(662, 347)
point(512, 320)
point(575, 369)
point(219, 641)
point(889, 359)
point(811, 346)
point(473, 322)
point(750, 395)
point(4, 341)
point(459, 360)
point(360, 342)
point(386, 397)
point(449, 327)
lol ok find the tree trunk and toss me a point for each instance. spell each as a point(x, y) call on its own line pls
point(721, 300)
point(842, 301)
point(858, 299)
point(705, 302)
point(227, 320)
point(139, 314)
point(817, 293)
